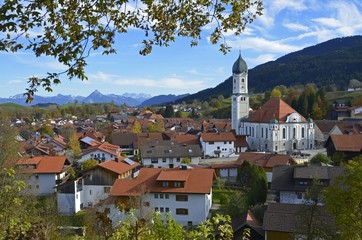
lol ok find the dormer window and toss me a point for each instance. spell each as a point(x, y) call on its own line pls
point(177, 184)
point(164, 184)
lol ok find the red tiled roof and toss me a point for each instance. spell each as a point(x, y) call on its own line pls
point(260, 159)
point(344, 142)
point(218, 137)
point(275, 108)
point(198, 181)
point(45, 164)
point(173, 176)
point(119, 166)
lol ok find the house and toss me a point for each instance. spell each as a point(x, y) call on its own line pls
point(349, 146)
point(186, 193)
point(217, 144)
point(169, 156)
point(229, 170)
point(288, 221)
point(43, 174)
point(322, 130)
point(247, 222)
point(59, 144)
point(94, 185)
point(292, 182)
point(103, 152)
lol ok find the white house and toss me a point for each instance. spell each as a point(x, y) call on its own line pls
point(43, 174)
point(94, 185)
point(169, 156)
point(220, 144)
point(186, 193)
point(103, 152)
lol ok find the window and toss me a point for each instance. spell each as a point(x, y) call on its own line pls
point(262, 132)
point(294, 132)
point(164, 160)
point(156, 195)
point(189, 223)
point(177, 184)
point(284, 133)
point(182, 198)
point(92, 155)
point(242, 80)
point(225, 142)
point(229, 142)
point(90, 192)
point(156, 209)
point(211, 143)
point(178, 159)
point(218, 148)
point(166, 196)
point(182, 211)
point(299, 195)
point(103, 154)
point(162, 209)
point(146, 204)
point(154, 160)
point(161, 195)
point(302, 132)
point(36, 176)
point(167, 209)
point(107, 189)
point(164, 184)
point(266, 132)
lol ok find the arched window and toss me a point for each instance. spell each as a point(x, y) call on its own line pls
point(284, 133)
point(242, 80)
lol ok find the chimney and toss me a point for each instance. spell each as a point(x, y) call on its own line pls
point(116, 159)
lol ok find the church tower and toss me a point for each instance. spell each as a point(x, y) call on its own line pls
point(240, 96)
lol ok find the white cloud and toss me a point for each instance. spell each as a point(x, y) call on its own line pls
point(262, 45)
point(15, 81)
point(328, 22)
point(171, 82)
point(279, 5)
point(296, 27)
point(261, 59)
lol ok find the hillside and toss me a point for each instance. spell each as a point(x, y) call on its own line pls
point(334, 62)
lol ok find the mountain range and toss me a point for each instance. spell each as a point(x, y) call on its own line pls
point(130, 99)
point(331, 63)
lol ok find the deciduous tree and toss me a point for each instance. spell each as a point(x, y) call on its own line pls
point(343, 200)
point(69, 30)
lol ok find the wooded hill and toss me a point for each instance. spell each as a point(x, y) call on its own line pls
point(332, 63)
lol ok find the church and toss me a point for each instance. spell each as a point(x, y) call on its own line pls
point(275, 127)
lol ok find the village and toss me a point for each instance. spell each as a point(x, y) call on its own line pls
point(182, 165)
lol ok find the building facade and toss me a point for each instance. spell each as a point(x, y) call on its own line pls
point(275, 127)
point(240, 95)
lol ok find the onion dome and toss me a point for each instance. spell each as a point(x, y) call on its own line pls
point(240, 66)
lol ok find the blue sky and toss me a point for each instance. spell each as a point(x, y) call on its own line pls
point(286, 26)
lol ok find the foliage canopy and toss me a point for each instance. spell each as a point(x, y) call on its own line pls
point(70, 30)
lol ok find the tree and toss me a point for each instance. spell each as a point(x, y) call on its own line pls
point(234, 203)
point(276, 92)
point(320, 158)
point(169, 112)
point(253, 180)
point(88, 164)
point(46, 129)
point(69, 31)
point(178, 114)
point(343, 200)
point(74, 147)
point(312, 221)
point(186, 161)
point(136, 127)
